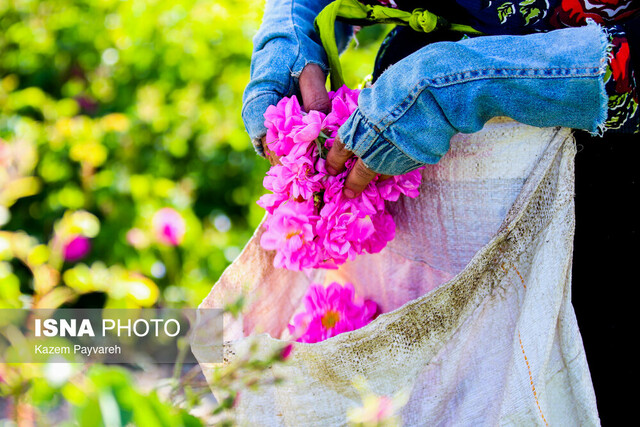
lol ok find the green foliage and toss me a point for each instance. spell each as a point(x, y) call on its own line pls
point(96, 396)
point(124, 108)
point(109, 111)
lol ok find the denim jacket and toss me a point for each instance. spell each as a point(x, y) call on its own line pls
point(407, 118)
point(284, 45)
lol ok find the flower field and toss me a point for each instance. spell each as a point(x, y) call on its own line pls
point(126, 177)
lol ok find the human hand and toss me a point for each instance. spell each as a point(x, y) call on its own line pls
point(359, 177)
point(313, 91)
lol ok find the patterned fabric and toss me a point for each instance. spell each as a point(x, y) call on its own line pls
point(527, 16)
point(572, 13)
point(624, 115)
point(620, 83)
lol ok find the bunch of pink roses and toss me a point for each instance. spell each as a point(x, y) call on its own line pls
point(310, 223)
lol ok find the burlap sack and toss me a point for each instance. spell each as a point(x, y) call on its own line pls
point(478, 324)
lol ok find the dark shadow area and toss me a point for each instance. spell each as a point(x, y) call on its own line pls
point(605, 257)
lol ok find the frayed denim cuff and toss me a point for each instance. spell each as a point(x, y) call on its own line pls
point(367, 142)
point(253, 116)
point(409, 115)
point(303, 61)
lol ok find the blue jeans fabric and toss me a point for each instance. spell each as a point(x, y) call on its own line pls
point(408, 116)
point(284, 45)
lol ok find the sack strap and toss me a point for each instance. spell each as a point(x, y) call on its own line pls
point(355, 13)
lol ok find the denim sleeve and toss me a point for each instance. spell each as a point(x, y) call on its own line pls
point(408, 116)
point(285, 43)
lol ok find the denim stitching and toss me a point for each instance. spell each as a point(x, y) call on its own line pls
point(362, 121)
point(403, 106)
point(369, 138)
point(489, 73)
point(295, 33)
point(472, 75)
point(461, 77)
point(396, 148)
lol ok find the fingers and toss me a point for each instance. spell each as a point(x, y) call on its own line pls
point(337, 157)
point(270, 155)
point(315, 97)
point(358, 178)
point(313, 89)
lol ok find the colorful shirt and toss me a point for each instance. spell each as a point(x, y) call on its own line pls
point(526, 16)
point(495, 17)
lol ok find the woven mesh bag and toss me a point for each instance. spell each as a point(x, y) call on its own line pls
point(475, 288)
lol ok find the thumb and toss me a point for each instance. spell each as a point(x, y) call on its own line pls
point(313, 89)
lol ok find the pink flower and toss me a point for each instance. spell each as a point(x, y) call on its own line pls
point(286, 351)
point(407, 184)
point(388, 3)
point(310, 224)
point(342, 233)
point(385, 231)
point(168, 226)
point(280, 121)
point(331, 311)
point(310, 130)
point(369, 201)
point(290, 231)
point(271, 201)
point(344, 101)
point(294, 176)
point(76, 248)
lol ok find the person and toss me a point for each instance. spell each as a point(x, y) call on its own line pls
point(541, 62)
point(578, 102)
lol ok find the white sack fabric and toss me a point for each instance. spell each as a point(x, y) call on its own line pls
point(476, 293)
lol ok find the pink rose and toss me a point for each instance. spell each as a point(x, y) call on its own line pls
point(168, 226)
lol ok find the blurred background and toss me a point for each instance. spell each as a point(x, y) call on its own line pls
point(126, 177)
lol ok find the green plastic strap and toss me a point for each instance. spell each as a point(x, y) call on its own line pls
point(355, 13)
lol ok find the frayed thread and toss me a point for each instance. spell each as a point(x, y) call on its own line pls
point(296, 74)
point(257, 146)
point(607, 55)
